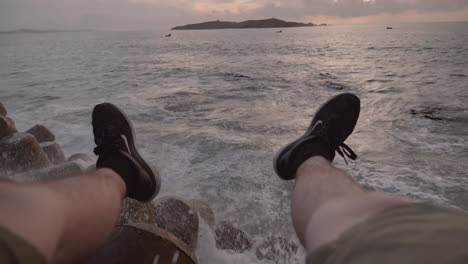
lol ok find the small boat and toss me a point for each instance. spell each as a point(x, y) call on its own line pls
point(168, 35)
point(280, 31)
point(389, 28)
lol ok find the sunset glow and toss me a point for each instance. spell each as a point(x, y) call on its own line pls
point(148, 14)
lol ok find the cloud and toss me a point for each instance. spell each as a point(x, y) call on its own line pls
point(148, 14)
point(357, 8)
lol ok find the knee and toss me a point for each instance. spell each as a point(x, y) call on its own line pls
point(338, 215)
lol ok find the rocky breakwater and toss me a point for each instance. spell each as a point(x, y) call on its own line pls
point(182, 219)
point(32, 155)
point(172, 219)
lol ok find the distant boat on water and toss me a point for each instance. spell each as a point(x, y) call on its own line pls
point(279, 31)
point(389, 28)
point(168, 35)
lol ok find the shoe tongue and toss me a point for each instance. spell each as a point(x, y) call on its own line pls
point(334, 133)
point(318, 148)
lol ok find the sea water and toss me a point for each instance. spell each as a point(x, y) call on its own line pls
point(210, 108)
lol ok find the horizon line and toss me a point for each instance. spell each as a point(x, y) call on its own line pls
point(51, 30)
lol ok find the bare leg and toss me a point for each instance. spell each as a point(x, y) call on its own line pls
point(66, 220)
point(326, 202)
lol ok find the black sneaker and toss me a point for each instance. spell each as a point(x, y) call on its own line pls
point(332, 124)
point(115, 140)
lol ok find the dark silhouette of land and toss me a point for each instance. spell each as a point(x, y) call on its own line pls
point(265, 23)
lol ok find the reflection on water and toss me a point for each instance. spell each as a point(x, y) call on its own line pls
point(211, 107)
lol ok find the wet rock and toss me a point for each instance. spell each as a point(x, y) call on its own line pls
point(428, 113)
point(3, 111)
point(41, 133)
point(80, 157)
point(137, 212)
point(84, 160)
point(204, 211)
point(58, 171)
point(21, 152)
point(54, 152)
point(91, 168)
point(142, 244)
point(277, 249)
point(176, 216)
point(230, 238)
point(7, 127)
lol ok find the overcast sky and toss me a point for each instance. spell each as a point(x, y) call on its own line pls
point(163, 14)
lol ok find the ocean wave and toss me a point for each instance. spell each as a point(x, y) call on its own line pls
point(210, 109)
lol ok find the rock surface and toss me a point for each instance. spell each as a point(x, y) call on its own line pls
point(277, 249)
point(204, 211)
point(21, 152)
point(3, 111)
point(7, 127)
point(176, 216)
point(142, 244)
point(137, 212)
point(54, 152)
point(84, 160)
point(80, 157)
point(41, 133)
point(230, 238)
point(91, 168)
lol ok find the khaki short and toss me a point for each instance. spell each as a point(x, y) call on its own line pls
point(413, 233)
point(14, 250)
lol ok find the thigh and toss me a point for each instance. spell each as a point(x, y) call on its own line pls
point(338, 215)
point(15, 250)
point(412, 233)
point(34, 214)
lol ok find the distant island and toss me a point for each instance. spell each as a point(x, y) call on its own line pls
point(264, 23)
